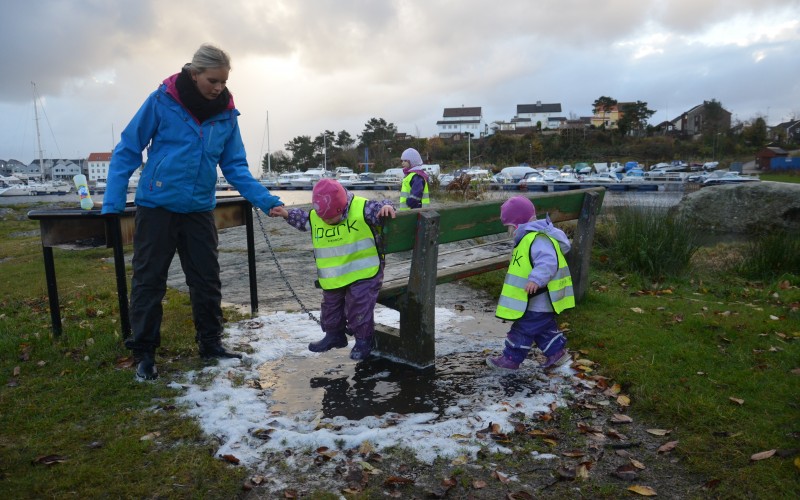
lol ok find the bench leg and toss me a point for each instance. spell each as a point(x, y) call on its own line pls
point(415, 342)
point(52, 290)
point(579, 256)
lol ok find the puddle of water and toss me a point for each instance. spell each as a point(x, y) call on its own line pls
point(339, 387)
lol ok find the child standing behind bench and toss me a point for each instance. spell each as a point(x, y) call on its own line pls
point(344, 232)
point(537, 288)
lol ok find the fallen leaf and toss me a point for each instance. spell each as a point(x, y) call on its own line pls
point(365, 448)
point(394, 480)
point(637, 310)
point(150, 436)
point(460, 460)
point(737, 400)
point(623, 400)
point(576, 453)
point(643, 490)
point(477, 484)
point(658, 432)
point(626, 472)
point(667, 446)
point(500, 476)
point(638, 464)
point(230, 459)
point(762, 455)
point(49, 459)
point(621, 419)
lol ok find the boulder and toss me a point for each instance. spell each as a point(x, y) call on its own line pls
point(751, 207)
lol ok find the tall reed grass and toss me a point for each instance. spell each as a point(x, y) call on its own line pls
point(771, 256)
point(649, 241)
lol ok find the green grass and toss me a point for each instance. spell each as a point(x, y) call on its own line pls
point(75, 397)
point(780, 177)
point(686, 349)
point(681, 349)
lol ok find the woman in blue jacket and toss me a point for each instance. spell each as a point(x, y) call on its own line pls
point(189, 126)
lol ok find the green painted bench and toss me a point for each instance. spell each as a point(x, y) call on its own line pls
point(413, 292)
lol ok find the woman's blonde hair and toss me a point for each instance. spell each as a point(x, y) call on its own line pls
point(209, 56)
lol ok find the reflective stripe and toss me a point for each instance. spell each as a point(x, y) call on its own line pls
point(513, 346)
point(350, 267)
point(547, 347)
point(324, 253)
point(516, 281)
point(514, 304)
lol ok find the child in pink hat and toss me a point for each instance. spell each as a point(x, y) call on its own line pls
point(344, 232)
point(537, 288)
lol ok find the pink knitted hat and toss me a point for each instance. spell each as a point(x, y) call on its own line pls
point(328, 198)
point(517, 210)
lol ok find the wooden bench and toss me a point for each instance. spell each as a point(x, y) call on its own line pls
point(413, 292)
point(89, 228)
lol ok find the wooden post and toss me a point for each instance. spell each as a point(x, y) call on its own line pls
point(580, 255)
point(415, 342)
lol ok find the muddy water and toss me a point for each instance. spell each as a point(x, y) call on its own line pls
point(338, 387)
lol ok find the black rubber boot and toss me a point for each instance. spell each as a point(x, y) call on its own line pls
point(214, 349)
point(146, 369)
point(328, 342)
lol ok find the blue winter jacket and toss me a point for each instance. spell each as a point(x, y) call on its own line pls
point(182, 158)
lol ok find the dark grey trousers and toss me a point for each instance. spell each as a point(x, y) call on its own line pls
point(159, 233)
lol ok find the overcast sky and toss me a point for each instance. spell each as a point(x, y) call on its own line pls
point(312, 65)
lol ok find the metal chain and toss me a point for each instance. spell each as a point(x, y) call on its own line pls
point(280, 269)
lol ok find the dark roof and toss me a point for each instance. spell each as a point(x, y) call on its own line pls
point(455, 122)
point(538, 108)
point(462, 111)
point(788, 125)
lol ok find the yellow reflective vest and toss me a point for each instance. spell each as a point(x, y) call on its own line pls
point(405, 192)
point(514, 299)
point(344, 252)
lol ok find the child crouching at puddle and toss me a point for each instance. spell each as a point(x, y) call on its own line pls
point(537, 287)
point(344, 233)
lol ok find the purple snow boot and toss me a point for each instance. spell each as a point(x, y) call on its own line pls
point(328, 342)
point(502, 363)
point(362, 349)
point(556, 359)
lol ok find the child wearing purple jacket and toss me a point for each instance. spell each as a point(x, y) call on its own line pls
point(538, 287)
point(344, 233)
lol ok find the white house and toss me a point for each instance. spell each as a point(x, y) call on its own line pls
point(98, 166)
point(536, 115)
point(65, 170)
point(457, 121)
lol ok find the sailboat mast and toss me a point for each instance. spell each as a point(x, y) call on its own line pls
point(269, 166)
point(38, 136)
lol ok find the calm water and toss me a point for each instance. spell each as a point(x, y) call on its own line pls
point(612, 198)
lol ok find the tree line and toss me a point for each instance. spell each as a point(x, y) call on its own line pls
point(379, 144)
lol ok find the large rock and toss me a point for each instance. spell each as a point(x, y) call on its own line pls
point(751, 207)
